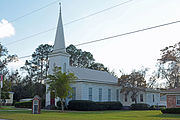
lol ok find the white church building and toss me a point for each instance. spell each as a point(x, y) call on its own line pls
point(91, 84)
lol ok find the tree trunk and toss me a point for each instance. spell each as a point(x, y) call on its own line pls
point(177, 82)
point(41, 70)
point(135, 100)
point(62, 106)
point(47, 65)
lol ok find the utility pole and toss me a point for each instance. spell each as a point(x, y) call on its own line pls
point(1, 83)
point(0, 96)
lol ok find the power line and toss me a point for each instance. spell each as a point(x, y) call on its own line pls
point(24, 57)
point(29, 13)
point(30, 36)
point(127, 33)
point(98, 12)
point(36, 34)
point(119, 35)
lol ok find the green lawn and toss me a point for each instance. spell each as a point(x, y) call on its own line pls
point(95, 115)
point(7, 108)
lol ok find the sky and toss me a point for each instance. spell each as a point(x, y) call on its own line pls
point(122, 53)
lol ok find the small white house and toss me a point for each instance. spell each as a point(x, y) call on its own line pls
point(10, 100)
point(91, 84)
point(26, 99)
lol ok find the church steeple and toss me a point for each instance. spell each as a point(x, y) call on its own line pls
point(59, 56)
point(59, 44)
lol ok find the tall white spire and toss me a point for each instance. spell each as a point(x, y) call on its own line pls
point(59, 56)
point(59, 44)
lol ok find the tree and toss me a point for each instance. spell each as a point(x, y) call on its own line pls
point(35, 71)
point(59, 83)
point(133, 83)
point(79, 58)
point(40, 60)
point(30, 71)
point(98, 66)
point(3, 53)
point(169, 65)
point(83, 59)
point(152, 81)
point(5, 59)
point(14, 77)
point(5, 90)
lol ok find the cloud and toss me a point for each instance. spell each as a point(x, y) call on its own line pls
point(6, 29)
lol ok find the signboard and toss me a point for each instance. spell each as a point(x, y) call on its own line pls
point(36, 106)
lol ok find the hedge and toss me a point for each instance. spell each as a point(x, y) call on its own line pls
point(157, 107)
point(43, 101)
point(26, 104)
point(87, 105)
point(83, 105)
point(109, 105)
point(140, 106)
point(171, 111)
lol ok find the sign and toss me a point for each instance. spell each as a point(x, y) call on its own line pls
point(36, 105)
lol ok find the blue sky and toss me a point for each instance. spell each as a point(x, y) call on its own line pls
point(127, 52)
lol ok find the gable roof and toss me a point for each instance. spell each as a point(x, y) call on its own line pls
point(89, 75)
point(152, 90)
point(175, 90)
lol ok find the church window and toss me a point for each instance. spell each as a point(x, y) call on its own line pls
point(109, 94)
point(125, 98)
point(153, 98)
point(64, 67)
point(100, 94)
point(74, 93)
point(141, 97)
point(90, 93)
point(178, 100)
point(117, 95)
point(132, 99)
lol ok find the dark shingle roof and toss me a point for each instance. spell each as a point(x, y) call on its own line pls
point(174, 90)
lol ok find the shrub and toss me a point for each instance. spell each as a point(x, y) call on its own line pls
point(157, 107)
point(83, 105)
point(171, 111)
point(26, 104)
point(140, 106)
point(43, 103)
point(53, 107)
point(14, 101)
point(86, 105)
point(108, 105)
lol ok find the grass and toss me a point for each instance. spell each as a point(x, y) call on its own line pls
point(7, 108)
point(95, 115)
